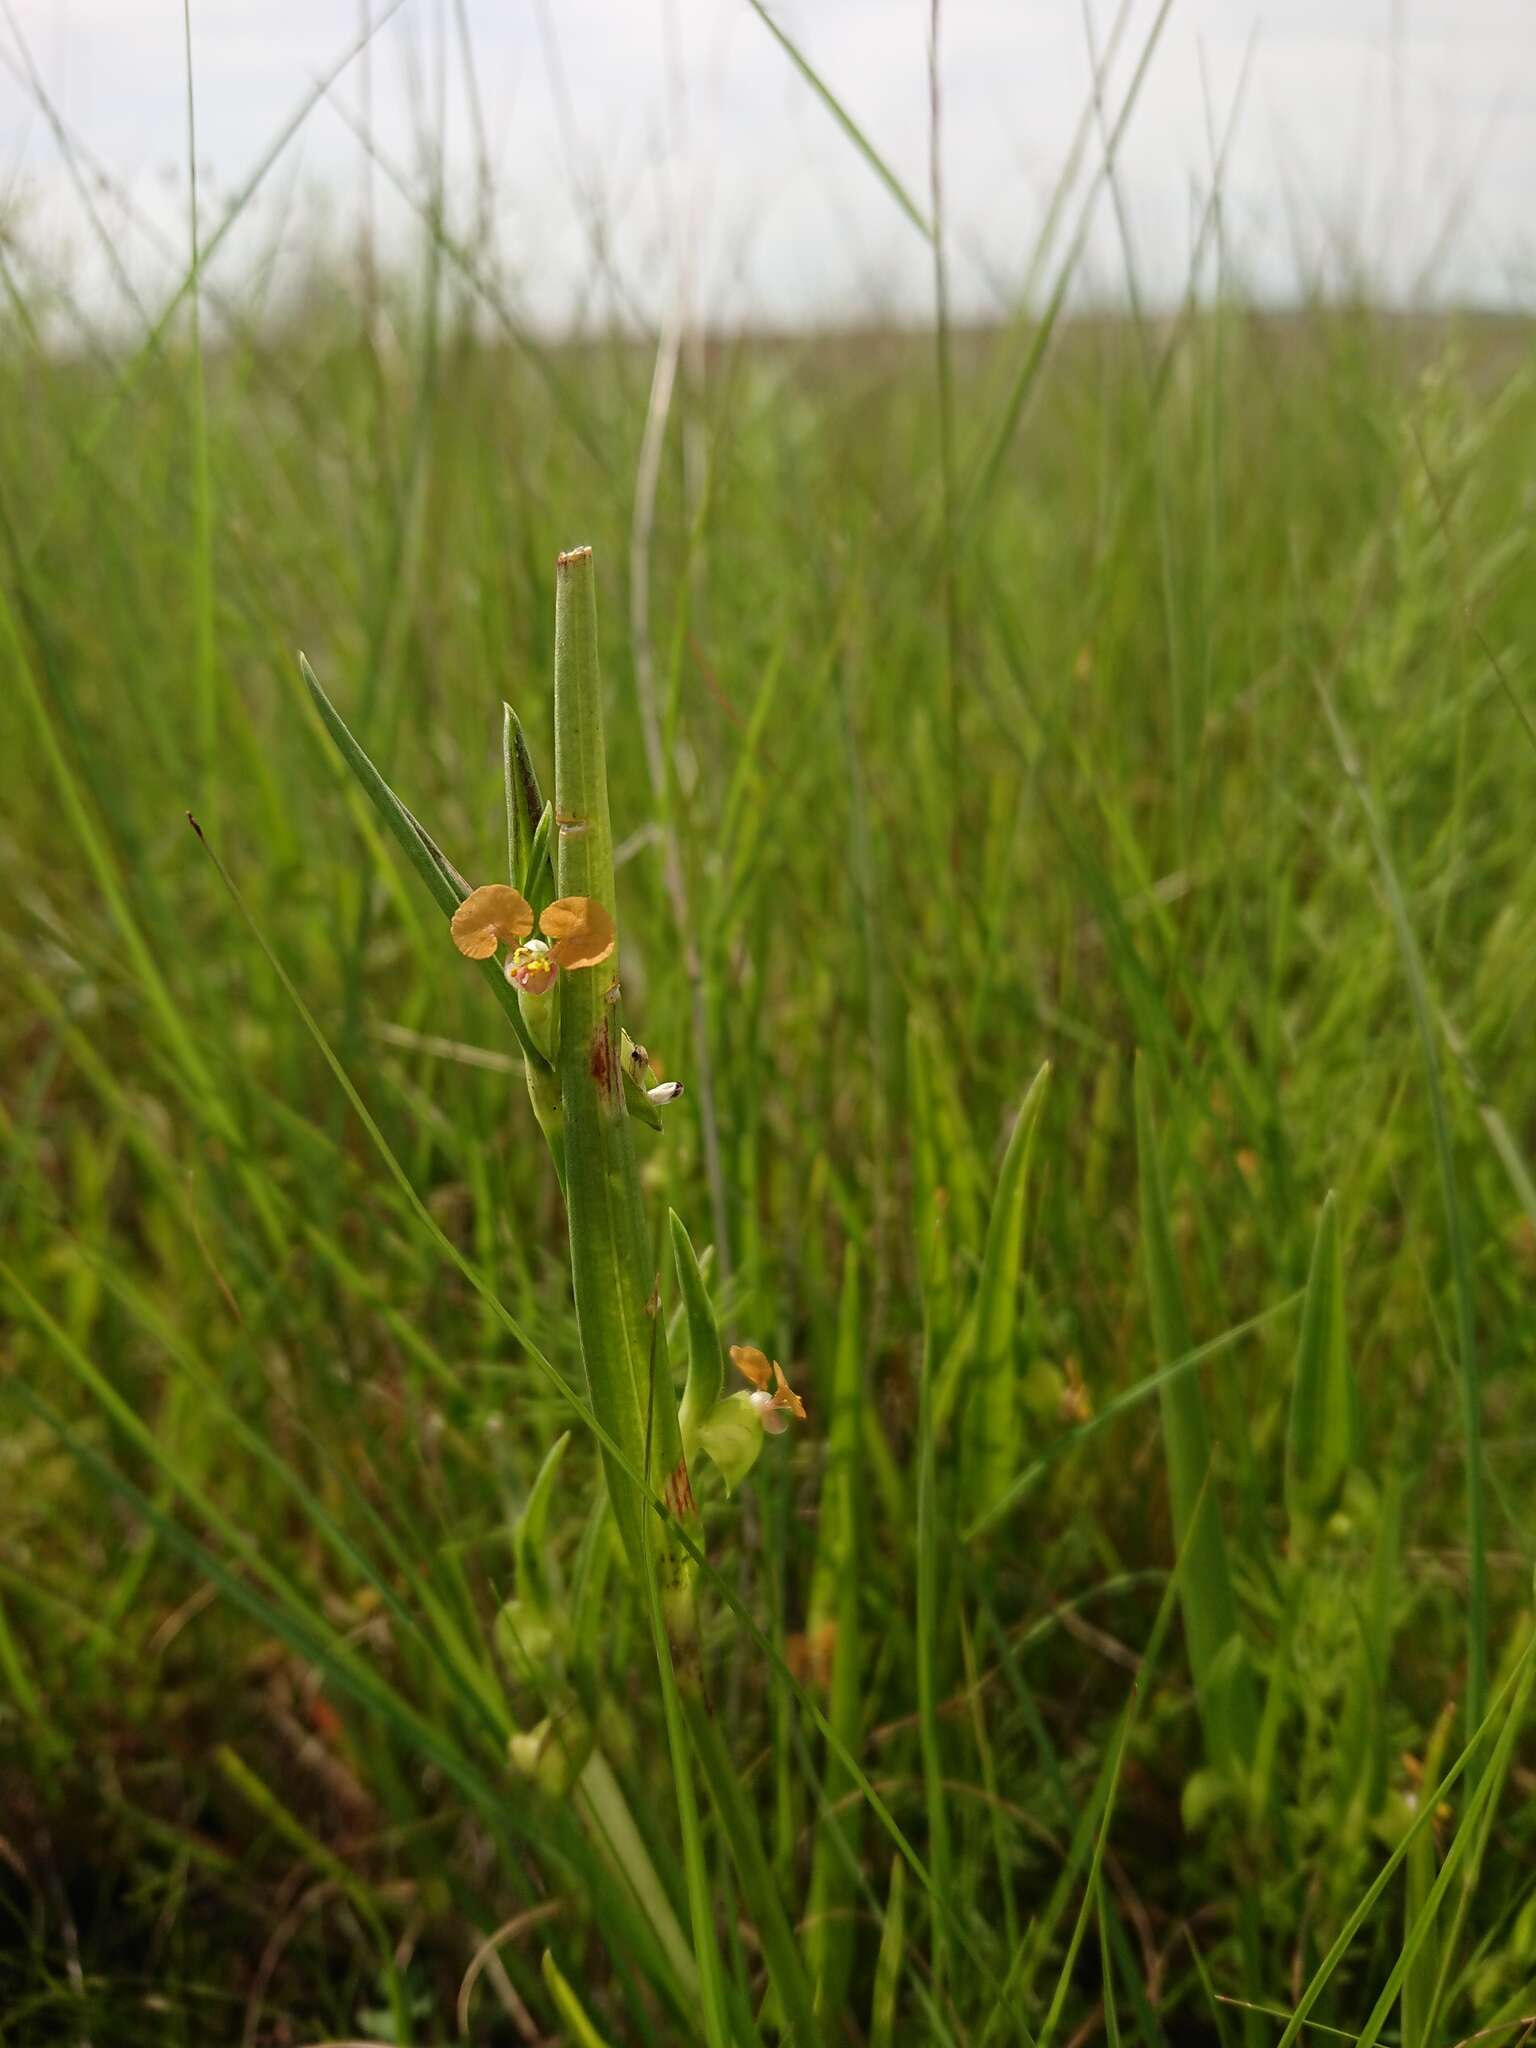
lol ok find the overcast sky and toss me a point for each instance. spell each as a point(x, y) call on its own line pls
point(627, 139)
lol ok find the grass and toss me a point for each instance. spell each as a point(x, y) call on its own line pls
point(1151, 700)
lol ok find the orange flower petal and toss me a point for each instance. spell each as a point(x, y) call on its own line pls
point(784, 1395)
point(579, 930)
point(490, 915)
point(751, 1364)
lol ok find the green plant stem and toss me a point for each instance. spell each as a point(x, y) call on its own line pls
point(623, 1337)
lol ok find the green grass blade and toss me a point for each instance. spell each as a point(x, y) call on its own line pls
point(524, 800)
point(844, 119)
point(205, 645)
point(890, 1962)
point(285, 1617)
point(989, 467)
point(929, 1645)
point(1466, 1849)
point(530, 1532)
point(1089, 1832)
point(1107, 1979)
point(1227, 1702)
point(1455, 1227)
point(1430, 1802)
point(781, 1951)
point(1471, 1863)
point(1321, 1444)
point(1090, 1891)
point(994, 1433)
point(1154, 1383)
point(832, 1614)
point(105, 871)
point(581, 2032)
point(446, 885)
point(1420, 1986)
point(706, 1355)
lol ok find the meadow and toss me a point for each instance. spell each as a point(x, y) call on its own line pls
point(1069, 797)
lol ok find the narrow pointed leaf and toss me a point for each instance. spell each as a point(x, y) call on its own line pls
point(1320, 1446)
point(446, 885)
point(993, 1428)
point(582, 2033)
point(524, 798)
point(1227, 1702)
point(706, 1354)
point(832, 1631)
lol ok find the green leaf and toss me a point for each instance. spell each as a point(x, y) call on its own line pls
point(786, 1967)
point(1463, 1858)
point(832, 1613)
point(993, 1432)
point(706, 1354)
point(844, 120)
point(929, 1544)
point(1321, 1444)
point(1228, 1708)
point(931, 1221)
point(888, 1964)
point(1419, 1985)
point(446, 885)
point(1455, 1219)
point(569, 2007)
point(1429, 1805)
point(538, 883)
point(530, 1530)
point(524, 798)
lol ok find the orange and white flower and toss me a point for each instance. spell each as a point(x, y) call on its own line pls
point(732, 1433)
point(570, 933)
point(773, 1408)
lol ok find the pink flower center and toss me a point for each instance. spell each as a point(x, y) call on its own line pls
point(533, 968)
point(773, 1418)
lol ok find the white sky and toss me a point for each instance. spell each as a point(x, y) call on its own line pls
point(623, 134)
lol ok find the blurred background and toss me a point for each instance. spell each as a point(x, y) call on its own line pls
point(614, 161)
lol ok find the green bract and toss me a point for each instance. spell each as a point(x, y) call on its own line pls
point(732, 1435)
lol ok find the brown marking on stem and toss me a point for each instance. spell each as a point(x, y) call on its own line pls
point(603, 1062)
point(564, 561)
point(678, 1493)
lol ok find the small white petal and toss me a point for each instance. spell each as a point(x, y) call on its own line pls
point(774, 1420)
